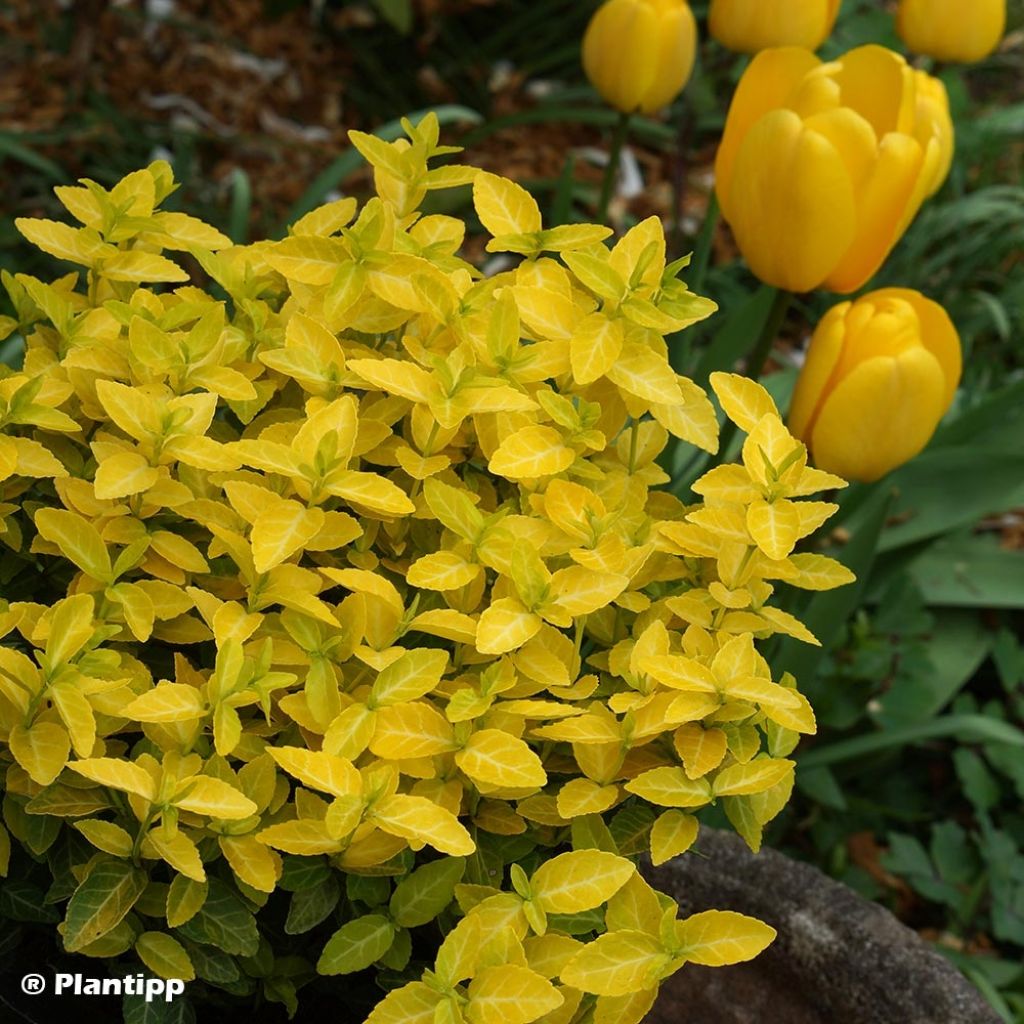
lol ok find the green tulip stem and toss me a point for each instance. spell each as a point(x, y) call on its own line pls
point(754, 366)
point(702, 251)
point(611, 171)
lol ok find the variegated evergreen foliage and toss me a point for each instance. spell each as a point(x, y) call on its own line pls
point(357, 563)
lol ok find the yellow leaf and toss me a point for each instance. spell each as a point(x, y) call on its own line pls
point(716, 938)
point(179, 851)
point(669, 787)
point(42, 750)
point(78, 539)
point(577, 881)
point(693, 420)
point(701, 750)
point(509, 994)
point(422, 821)
point(318, 770)
point(77, 715)
point(416, 673)
point(443, 570)
point(580, 591)
point(203, 794)
point(414, 1003)
point(775, 528)
point(582, 796)
point(139, 266)
point(640, 371)
point(372, 492)
point(63, 241)
point(117, 774)
point(744, 400)
point(281, 530)
point(594, 347)
point(631, 1008)
point(184, 898)
point(397, 377)
point(531, 452)
point(306, 837)
point(818, 572)
point(504, 208)
point(180, 231)
point(497, 758)
point(672, 834)
point(411, 730)
point(167, 702)
point(129, 408)
point(106, 836)
point(164, 955)
point(505, 626)
point(616, 964)
point(251, 861)
point(123, 474)
point(753, 777)
point(307, 258)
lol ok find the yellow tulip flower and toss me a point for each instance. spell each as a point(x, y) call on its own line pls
point(638, 54)
point(751, 25)
point(880, 373)
point(952, 29)
point(822, 166)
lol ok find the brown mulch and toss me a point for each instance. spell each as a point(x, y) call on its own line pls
point(267, 94)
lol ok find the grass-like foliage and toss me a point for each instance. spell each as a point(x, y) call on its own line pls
point(354, 565)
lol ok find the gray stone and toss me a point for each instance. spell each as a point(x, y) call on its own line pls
point(838, 959)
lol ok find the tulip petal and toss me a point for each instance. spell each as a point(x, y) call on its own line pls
point(747, 26)
point(936, 332)
point(792, 203)
point(951, 30)
point(879, 416)
point(620, 52)
point(887, 202)
point(933, 121)
point(853, 138)
point(822, 357)
point(677, 51)
point(879, 84)
point(766, 84)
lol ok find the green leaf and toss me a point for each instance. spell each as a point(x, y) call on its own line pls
point(310, 906)
point(419, 898)
point(101, 902)
point(970, 571)
point(356, 945)
point(398, 13)
point(136, 1010)
point(987, 481)
point(966, 728)
point(958, 644)
point(223, 921)
point(22, 901)
point(737, 332)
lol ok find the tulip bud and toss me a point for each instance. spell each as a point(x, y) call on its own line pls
point(952, 29)
point(638, 54)
point(822, 167)
point(751, 25)
point(879, 375)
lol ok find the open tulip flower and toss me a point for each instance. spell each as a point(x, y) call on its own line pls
point(639, 53)
point(822, 166)
point(952, 29)
point(879, 375)
point(751, 25)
